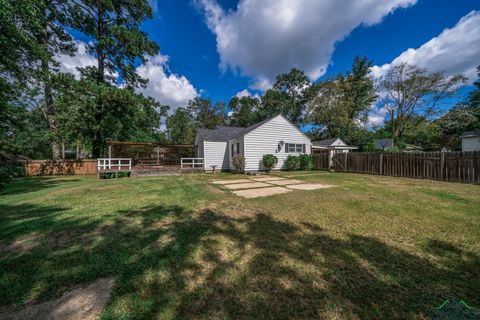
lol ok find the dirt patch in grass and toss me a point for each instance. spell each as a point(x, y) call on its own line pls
point(309, 186)
point(84, 303)
point(262, 192)
point(250, 185)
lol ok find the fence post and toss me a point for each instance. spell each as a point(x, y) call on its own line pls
point(346, 157)
point(381, 164)
point(442, 165)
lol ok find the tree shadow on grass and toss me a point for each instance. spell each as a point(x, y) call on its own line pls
point(175, 263)
point(32, 184)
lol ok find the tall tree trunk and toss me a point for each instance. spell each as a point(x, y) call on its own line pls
point(47, 90)
point(97, 138)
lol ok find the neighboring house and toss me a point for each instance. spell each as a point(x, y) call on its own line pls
point(332, 146)
point(387, 144)
point(276, 136)
point(471, 141)
point(335, 145)
point(383, 144)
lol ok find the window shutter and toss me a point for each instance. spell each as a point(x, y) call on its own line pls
point(304, 149)
point(232, 149)
point(286, 147)
point(238, 148)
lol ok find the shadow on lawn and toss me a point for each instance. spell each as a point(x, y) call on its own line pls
point(208, 264)
point(32, 184)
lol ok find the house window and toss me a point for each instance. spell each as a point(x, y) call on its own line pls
point(295, 148)
point(235, 149)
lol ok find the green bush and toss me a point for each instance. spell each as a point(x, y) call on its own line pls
point(238, 163)
point(10, 171)
point(292, 163)
point(305, 162)
point(113, 175)
point(269, 161)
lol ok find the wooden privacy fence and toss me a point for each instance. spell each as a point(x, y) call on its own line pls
point(54, 167)
point(446, 166)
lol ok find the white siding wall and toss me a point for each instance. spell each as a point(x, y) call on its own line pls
point(265, 139)
point(471, 144)
point(215, 153)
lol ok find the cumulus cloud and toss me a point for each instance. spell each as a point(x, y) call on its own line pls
point(263, 38)
point(163, 85)
point(454, 50)
point(246, 93)
point(166, 87)
point(81, 59)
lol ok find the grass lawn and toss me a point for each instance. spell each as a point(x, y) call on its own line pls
point(181, 248)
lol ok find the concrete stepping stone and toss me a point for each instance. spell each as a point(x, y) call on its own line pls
point(249, 185)
point(224, 182)
point(265, 179)
point(309, 186)
point(286, 182)
point(262, 192)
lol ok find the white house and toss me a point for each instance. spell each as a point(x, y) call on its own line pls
point(276, 136)
point(471, 141)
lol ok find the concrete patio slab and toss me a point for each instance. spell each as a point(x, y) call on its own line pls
point(249, 185)
point(309, 186)
point(286, 182)
point(262, 192)
point(265, 179)
point(223, 182)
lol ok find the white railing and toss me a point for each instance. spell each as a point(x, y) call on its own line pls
point(114, 164)
point(191, 163)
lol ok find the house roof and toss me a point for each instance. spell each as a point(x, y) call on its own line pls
point(383, 143)
point(220, 133)
point(470, 134)
point(224, 133)
point(324, 142)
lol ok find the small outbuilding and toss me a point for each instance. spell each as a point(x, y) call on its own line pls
point(331, 146)
point(471, 140)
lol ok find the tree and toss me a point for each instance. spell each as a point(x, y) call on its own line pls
point(244, 111)
point(337, 107)
point(414, 93)
point(54, 40)
point(180, 128)
point(118, 44)
point(287, 96)
point(126, 115)
point(204, 114)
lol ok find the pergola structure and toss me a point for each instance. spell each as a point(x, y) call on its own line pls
point(148, 153)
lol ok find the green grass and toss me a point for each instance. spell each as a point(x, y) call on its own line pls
point(181, 248)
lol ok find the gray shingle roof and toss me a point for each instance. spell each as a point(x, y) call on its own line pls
point(324, 142)
point(466, 134)
point(220, 133)
point(224, 133)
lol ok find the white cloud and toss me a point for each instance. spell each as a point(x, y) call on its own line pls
point(163, 85)
point(263, 38)
point(454, 50)
point(81, 59)
point(243, 93)
point(376, 116)
point(246, 93)
point(166, 87)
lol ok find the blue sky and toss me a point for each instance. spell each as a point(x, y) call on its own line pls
point(220, 48)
